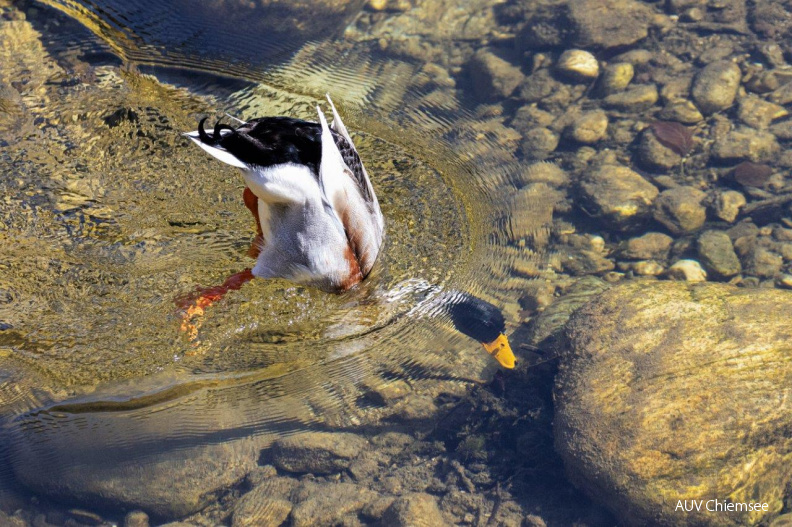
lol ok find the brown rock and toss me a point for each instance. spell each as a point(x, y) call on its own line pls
point(493, 77)
point(316, 452)
point(618, 195)
point(414, 510)
point(680, 209)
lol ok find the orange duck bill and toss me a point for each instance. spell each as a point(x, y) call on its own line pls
point(483, 322)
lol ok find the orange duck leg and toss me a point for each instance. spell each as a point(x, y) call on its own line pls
point(194, 305)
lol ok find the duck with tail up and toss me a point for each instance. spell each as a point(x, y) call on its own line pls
point(317, 216)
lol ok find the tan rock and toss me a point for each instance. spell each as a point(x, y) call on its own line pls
point(669, 391)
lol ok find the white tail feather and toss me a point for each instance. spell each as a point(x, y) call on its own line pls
point(337, 124)
point(217, 153)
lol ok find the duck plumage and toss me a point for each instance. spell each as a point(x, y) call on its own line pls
point(319, 220)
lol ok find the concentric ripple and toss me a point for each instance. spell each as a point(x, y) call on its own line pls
point(113, 216)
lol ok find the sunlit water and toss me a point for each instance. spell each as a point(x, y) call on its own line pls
point(109, 216)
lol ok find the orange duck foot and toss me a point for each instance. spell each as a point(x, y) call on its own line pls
point(194, 305)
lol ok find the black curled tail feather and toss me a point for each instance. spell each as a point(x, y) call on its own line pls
point(215, 137)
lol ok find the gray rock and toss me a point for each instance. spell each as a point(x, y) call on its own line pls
point(539, 143)
point(316, 452)
point(589, 127)
point(650, 246)
point(635, 99)
point(618, 195)
point(762, 262)
point(715, 87)
point(716, 252)
point(608, 23)
point(414, 510)
point(727, 205)
point(493, 77)
point(648, 410)
point(745, 144)
point(326, 504)
point(170, 483)
point(655, 155)
point(548, 325)
point(538, 86)
point(681, 209)
point(136, 519)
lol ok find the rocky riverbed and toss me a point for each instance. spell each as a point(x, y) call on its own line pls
point(649, 150)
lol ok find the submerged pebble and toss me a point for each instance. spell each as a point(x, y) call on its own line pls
point(687, 270)
point(136, 519)
point(578, 64)
point(544, 172)
point(715, 87)
point(758, 113)
point(681, 209)
point(616, 77)
point(745, 144)
point(414, 510)
point(316, 452)
point(635, 99)
point(650, 246)
point(589, 127)
point(618, 195)
point(539, 143)
point(727, 205)
point(717, 254)
point(493, 77)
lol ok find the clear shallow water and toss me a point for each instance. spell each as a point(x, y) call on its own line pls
point(112, 216)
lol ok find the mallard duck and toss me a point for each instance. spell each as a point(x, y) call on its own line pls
point(318, 219)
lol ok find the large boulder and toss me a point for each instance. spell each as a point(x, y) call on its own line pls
point(670, 392)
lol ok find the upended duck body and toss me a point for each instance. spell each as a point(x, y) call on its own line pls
point(318, 219)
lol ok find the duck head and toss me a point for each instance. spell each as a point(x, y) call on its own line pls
point(483, 322)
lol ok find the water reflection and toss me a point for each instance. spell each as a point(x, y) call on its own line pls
point(112, 216)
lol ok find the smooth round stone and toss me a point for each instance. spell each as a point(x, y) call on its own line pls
point(635, 99)
point(544, 172)
point(136, 519)
point(682, 111)
point(578, 64)
point(687, 270)
point(662, 392)
point(647, 268)
point(539, 143)
point(616, 77)
point(590, 127)
point(759, 113)
point(650, 246)
point(715, 87)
